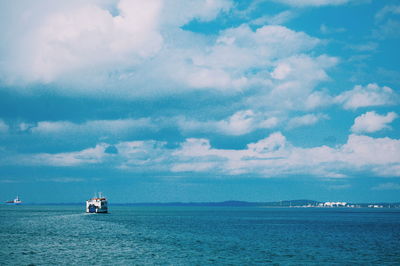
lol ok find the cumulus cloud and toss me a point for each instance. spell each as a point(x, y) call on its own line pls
point(3, 127)
point(274, 142)
point(240, 123)
point(305, 120)
point(118, 126)
point(87, 156)
point(387, 22)
point(386, 11)
point(312, 70)
point(143, 156)
point(63, 180)
point(389, 170)
point(120, 54)
point(134, 50)
point(226, 63)
point(365, 47)
point(317, 99)
point(366, 96)
point(294, 81)
point(359, 150)
point(180, 12)
point(372, 122)
point(329, 30)
point(85, 44)
point(89, 37)
point(388, 30)
point(269, 40)
point(303, 3)
point(278, 19)
point(387, 186)
point(273, 156)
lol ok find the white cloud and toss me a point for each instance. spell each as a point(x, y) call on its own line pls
point(369, 46)
point(305, 120)
point(270, 40)
point(386, 11)
point(281, 71)
point(244, 122)
point(317, 99)
point(121, 54)
point(387, 186)
point(303, 68)
point(388, 30)
point(294, 81)
point(180, 12)
point(240, 123)
point(63, 180)
point(9, 181)
point(142, 156)
point(3, 127)
point(119, 126)
point(390, 170)
point(364, 151)
point(87, 156)
point(370, 95)
point(240, 49)
point(84, 45)
point(213, 78)
point(225, 64)
point(328, 30)
point(274, 142)
point(387, 24)
point(77, 41)
point(24, 127)
point(112, 55)
point(278, 19)
point(302, 3)
point(372, 122)
point(273, 156)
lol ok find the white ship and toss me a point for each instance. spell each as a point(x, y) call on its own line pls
point(98, 204)
point(15, 201)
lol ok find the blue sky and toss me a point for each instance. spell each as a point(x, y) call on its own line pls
point(205, 100)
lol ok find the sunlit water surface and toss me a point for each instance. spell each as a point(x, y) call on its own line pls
point(65, 235)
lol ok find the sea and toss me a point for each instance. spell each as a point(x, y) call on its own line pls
point(132, 235)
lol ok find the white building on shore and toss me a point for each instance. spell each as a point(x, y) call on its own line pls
point(333, 204)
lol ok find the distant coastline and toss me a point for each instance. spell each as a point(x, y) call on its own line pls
point(234, 203)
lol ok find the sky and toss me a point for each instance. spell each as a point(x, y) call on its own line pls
point(200, 100)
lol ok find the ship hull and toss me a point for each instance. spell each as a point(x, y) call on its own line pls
point(97, 205)
point(16, 201)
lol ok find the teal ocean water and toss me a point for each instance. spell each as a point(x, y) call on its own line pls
point(65, 235)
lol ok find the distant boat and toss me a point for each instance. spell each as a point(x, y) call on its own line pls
point(15, 201)
point(98, 204)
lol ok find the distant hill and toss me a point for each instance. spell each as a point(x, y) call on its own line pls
point(235, 203)
point(232, 203)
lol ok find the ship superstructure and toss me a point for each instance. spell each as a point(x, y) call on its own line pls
point(97, 204)
point(15, 201)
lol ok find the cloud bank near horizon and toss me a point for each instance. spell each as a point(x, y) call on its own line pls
point(273, 156)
